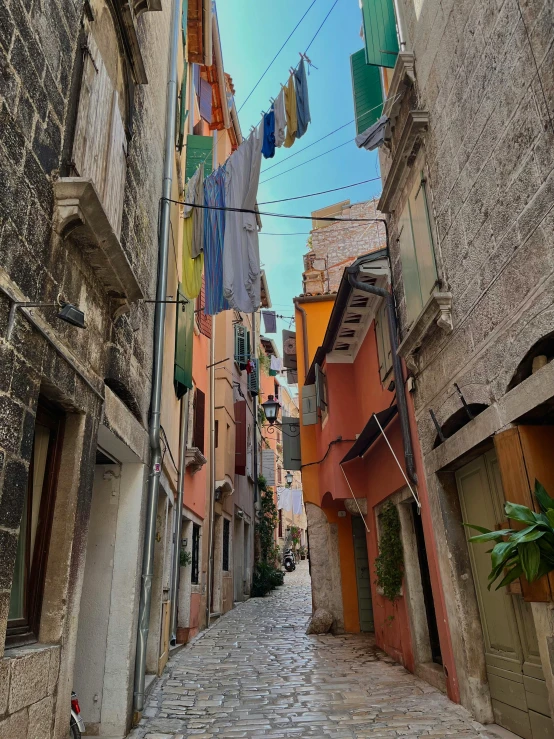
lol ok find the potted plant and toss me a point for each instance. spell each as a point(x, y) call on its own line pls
point(528, 551)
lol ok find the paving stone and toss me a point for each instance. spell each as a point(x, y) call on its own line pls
point(256, 673)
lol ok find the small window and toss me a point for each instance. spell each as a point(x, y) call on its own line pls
point(382, 336)
point(280, 523)
point(199, 415)
point(226, 535)
point(195, 554)
point(419, 271)
point(36, 525)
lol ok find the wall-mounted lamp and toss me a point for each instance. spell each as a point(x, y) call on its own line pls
point(68, 313)
point(289, 478)
point(271, 409)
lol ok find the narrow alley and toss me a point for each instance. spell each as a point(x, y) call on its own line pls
point(255, 673)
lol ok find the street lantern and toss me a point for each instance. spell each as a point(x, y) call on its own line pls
point(271, 409)
point(289, 479)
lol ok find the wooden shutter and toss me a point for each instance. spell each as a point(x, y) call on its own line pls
point(199, 417)
point(242, 345)
point(204, 321)
point(205, 100)
point(320, 388)
point(182, 376)
point(240, 437)
point(199, 150)
point(423, 241)
point(410, 273)
point(116, 169)
point(100, 142)
point(291, 443)
point(183, 112)
point(253, 382)
point(381, 39)
point(309, 407)
point(268, 466)
point(367, 91)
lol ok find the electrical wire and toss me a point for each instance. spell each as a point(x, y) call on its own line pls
point(277, 54)
point(321, 26)
point(323, 192)
point(294, 233)
point(277, 215)
point(306, 162)
point(335, 441)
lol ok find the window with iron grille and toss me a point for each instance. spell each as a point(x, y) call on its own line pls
point(199, 415)
point(226, 535)
point(195, 554)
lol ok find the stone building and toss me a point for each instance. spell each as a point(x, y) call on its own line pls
point(467, 167)
point(336, 245)
point(82, 95)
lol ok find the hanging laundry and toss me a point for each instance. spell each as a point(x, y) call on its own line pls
point(284, 499)
point(192, 268)
point(280, 118)
point(290, 107)
point(241, 254)
point(270, 321)
point(302, 101)
point(296, 502)
point(214, 235)
point(375, 135)
point(276, 364)
point(195, 195)
point(268, 146)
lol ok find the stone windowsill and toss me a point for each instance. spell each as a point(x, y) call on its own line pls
point(405, 153)
point(194, 460)
point(403, 77)
point(438, 309)
point(80, 215)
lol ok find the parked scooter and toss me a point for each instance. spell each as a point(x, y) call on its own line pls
point(77, 725)
point(289, 560)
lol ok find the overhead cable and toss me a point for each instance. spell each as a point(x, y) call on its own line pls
point(307, 161)
point(321, 26)
point(323, 192)
point(277, 54)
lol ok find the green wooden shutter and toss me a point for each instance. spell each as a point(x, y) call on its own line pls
point(182, 376)
point(184, 21)
point(242, 345)
point(367, 91)
point(183, 112)
point(320, 390)
point(291, 443)
point(423, 240)
point(199, 150)
point(381, 39)
point(253, 382)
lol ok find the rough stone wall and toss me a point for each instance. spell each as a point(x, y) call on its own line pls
point(337, 245)
point(40, 59)
point(489, 159)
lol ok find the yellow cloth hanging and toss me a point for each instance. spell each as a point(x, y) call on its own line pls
point(290, 108)
point(192, 268)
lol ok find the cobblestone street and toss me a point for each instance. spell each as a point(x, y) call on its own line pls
point(256, 673)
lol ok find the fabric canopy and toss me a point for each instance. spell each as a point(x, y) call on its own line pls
point(370, 433)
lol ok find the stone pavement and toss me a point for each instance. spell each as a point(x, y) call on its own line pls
point(256, 674)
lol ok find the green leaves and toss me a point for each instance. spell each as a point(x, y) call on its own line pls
point(528, 551)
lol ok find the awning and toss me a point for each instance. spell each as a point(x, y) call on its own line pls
point(370, 433)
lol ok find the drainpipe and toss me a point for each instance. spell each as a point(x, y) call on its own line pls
point(176, 569)
point(400, 24)
point(211, 488)
point(304, 335)
point(397, 367)
point(158, 348)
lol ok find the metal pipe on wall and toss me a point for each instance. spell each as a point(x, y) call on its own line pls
point(397, 367)
point(157, 370)
point(211, 488)
point(176, 565)
point(255, 415)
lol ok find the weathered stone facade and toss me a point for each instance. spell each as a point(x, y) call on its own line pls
point(41, 62)
point(336, 245)
point(473, 97)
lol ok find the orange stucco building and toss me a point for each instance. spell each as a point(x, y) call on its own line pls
point(349, 473)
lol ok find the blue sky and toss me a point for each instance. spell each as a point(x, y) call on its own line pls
point(252, 31)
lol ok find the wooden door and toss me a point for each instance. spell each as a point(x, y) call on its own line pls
point(516, 681)
point(365, 605)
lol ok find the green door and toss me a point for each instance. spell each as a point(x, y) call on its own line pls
point(365, 606)
point(516, 680)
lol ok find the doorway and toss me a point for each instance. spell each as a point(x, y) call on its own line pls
point(516, 680)
point(365, 604)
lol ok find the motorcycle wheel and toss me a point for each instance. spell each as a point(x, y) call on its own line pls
point(289, 566)
point(74, 732)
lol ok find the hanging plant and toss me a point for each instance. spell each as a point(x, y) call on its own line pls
point(528, 551)
point(389, 564)
point(185, 558)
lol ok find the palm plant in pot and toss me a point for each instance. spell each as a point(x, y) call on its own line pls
point(528, 551)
